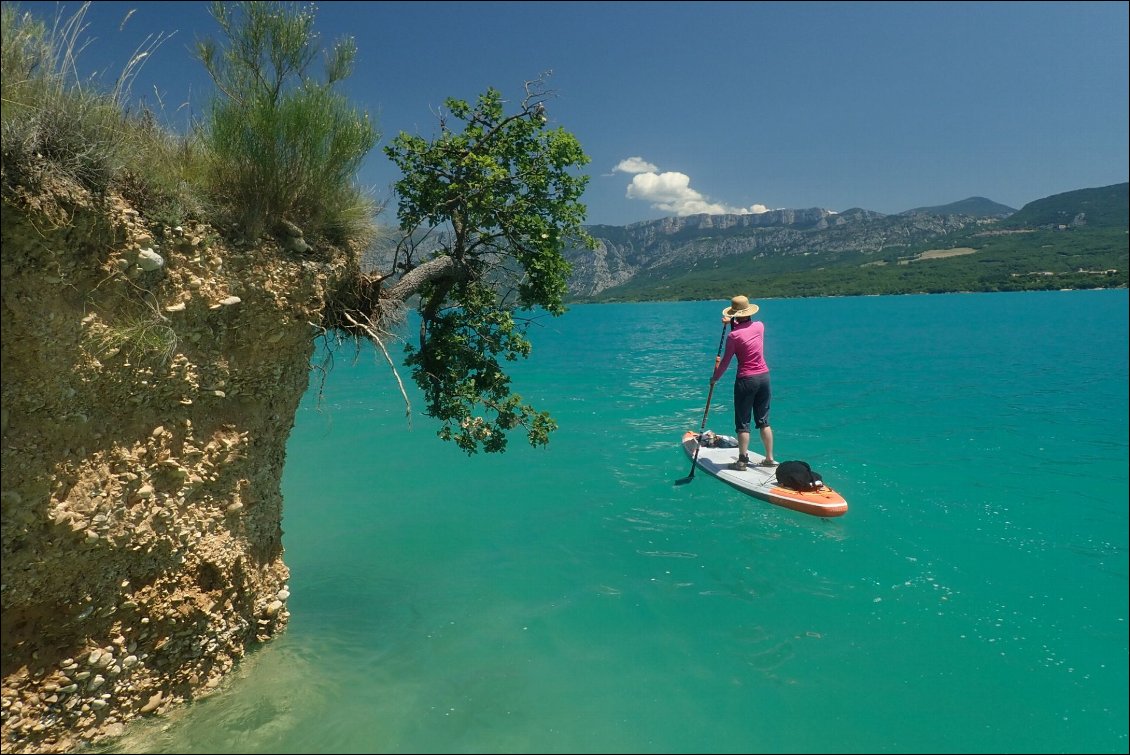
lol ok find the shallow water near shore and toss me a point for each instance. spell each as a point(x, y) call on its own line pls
point(575, 599)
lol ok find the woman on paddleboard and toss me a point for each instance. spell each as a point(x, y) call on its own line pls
point(746, 341)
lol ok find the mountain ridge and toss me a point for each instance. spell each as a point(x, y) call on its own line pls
point(694, 256)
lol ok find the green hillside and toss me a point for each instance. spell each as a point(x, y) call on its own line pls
point(974, 207)
point(1106, 207)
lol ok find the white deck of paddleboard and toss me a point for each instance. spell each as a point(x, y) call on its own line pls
point(717, 461)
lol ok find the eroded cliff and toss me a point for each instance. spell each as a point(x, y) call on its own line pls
point(150, 381)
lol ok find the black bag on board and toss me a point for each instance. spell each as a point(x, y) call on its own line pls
point(797, 475)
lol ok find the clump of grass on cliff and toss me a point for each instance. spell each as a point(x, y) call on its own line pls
point(57, 123)
point(141, 335)
point(276, 144)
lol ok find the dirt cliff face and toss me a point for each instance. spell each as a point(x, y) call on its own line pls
point(150, 381)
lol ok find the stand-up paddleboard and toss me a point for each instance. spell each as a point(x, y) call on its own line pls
point(761, 482)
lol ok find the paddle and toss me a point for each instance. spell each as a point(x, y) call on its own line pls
point(706, 411)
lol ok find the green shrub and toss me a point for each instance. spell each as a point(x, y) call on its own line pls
point(283, 145)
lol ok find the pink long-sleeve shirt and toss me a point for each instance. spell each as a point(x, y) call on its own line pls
point(747, 341)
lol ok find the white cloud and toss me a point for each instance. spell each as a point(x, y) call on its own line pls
point(635, 165)
point(672, 192)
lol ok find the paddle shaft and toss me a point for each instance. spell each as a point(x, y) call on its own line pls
point(709, 395)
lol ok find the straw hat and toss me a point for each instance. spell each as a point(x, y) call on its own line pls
point(740, 307)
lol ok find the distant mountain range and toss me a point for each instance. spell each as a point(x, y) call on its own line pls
point(972, 244)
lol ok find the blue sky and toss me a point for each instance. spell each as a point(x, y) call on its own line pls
point(725, 106)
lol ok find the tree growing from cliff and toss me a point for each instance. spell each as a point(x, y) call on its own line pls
point(485, 209)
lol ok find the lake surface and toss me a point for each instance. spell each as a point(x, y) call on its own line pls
point(574, 599)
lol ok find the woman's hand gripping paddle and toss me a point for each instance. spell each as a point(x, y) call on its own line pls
point(706, 411)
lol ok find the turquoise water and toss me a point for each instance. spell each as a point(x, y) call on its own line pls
point(574, 599)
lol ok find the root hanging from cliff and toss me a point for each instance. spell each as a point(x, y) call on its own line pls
point(361, 311)
point(369, 328)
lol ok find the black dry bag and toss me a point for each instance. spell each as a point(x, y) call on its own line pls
point(797, 475)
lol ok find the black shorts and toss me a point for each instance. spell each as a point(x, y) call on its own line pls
point(751, 400)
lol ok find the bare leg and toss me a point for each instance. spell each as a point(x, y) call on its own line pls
point(766, 440)
point(743, 445)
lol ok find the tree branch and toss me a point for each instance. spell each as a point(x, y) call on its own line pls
point(430, 272)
